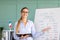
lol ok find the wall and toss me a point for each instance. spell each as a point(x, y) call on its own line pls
point(10, 9)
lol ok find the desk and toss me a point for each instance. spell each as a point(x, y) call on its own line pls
point(7, 34)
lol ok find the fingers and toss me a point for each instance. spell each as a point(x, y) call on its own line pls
point(24, 36)
point(46, 29)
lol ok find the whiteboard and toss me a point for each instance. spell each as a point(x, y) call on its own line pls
point(48, 17)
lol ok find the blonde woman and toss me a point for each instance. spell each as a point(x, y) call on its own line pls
point(25, 28)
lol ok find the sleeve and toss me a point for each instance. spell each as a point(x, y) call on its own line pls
point(15, 36)
point(34, 33)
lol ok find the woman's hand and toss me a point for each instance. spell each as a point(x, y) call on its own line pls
point(26, 36)
point(46, 29)
point(22, 37)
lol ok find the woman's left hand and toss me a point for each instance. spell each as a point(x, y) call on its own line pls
point(46, 29)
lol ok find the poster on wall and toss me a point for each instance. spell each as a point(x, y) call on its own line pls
point(48, 17)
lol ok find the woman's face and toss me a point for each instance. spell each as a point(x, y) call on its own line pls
point(24, 13)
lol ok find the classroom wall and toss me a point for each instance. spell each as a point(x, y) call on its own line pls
point(10, 9)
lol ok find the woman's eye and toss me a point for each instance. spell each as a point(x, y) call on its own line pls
point(24, 12)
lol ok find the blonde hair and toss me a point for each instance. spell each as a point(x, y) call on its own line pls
point(18, 24)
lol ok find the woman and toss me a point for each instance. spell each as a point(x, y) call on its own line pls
point(24, 29)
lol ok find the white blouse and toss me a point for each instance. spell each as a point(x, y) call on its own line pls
point(29, 28)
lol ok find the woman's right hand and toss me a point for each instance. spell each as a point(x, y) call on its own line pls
point(24, 36)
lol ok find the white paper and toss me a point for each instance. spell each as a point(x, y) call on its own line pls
point(48, 17)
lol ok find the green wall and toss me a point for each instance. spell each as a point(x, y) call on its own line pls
point(10, 9)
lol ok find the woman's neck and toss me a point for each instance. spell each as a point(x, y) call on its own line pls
point(24, 20)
